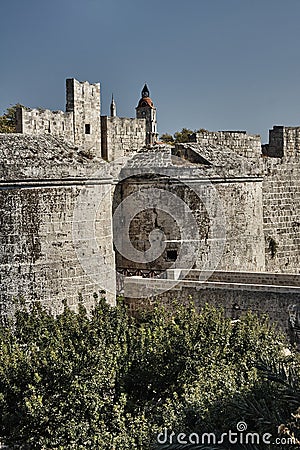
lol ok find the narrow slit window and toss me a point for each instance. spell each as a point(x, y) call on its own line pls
point(87, 128)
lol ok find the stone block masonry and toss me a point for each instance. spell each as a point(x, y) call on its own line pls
point(239, 190)
point(37, 121)
point(236, 295)
point(281, 206)
point(82, 125)
point(121, 136)
point(283, 141)
point(79, 125)
point(47, 168)
point(240, 142)
point(40, 182)
point(83, 100)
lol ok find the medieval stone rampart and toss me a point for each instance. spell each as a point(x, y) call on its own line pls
point(121, 136)
point(240, 142)
point(79, 125)
point(283, 141)
point(235, 293)
point(225, 180)
point(229, 180)
point(281, 199)
point(41, 179)
point(36, 121)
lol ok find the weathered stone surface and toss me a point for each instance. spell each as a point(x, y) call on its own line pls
point(217, 191)
point(82, 125)
point(121, 136)
point(281, 198)
point(240, 142)
point(25, 157)
point(222, 192)
point(79, 125)
point(235, 293)
point(41, 180)
point(283, 141)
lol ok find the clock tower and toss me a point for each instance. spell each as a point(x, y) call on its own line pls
point(146, 110)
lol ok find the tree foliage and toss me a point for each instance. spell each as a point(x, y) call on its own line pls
point(183, 135)
point(167, 138)
point(8, 120)
point(179, 137)
point(108, 381)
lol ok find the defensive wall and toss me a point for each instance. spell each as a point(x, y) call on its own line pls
point(235, 292)
point(121, 136)
point(41, 181)
point(79, 125)
point(219, 198)
point(222, 195)
point(281, 199)
point(283, 141)
point(83, 126)
point(242, 143)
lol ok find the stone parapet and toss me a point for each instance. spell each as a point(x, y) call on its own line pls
point(121, 136)
point(242, 143)
point(234, 298)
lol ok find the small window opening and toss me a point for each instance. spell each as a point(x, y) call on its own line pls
point(87, 128)
point(171, 255)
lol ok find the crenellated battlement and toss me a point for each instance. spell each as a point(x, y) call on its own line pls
point(82, 125)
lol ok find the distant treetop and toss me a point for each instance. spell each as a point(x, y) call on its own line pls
point(179, 136)
point(8, 120)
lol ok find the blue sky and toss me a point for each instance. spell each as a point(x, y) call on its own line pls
point(215, 64)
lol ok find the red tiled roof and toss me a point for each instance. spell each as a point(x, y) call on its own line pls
point(146, 100)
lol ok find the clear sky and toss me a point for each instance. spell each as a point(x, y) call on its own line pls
point(214, 64)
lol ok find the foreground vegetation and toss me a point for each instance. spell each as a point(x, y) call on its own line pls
point(108, 381)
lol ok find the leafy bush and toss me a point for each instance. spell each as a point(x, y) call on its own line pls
point(107, 381)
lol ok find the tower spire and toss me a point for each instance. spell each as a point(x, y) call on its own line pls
point(145, 91)
point(113, 108)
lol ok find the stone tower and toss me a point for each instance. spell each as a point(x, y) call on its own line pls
point(79, 125)
point(146, 110)
point(83, 100)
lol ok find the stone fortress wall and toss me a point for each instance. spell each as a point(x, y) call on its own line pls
point(240, 193)
point(41, 179)
point(274, 289)
point(51, 163)
point(82, 125)
point(121, 136)
point(83, 101)
point(241, 142)
point(79, 125)
point(281, 200)
point(283, 141)
point(235, 292)
point(36, 122)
